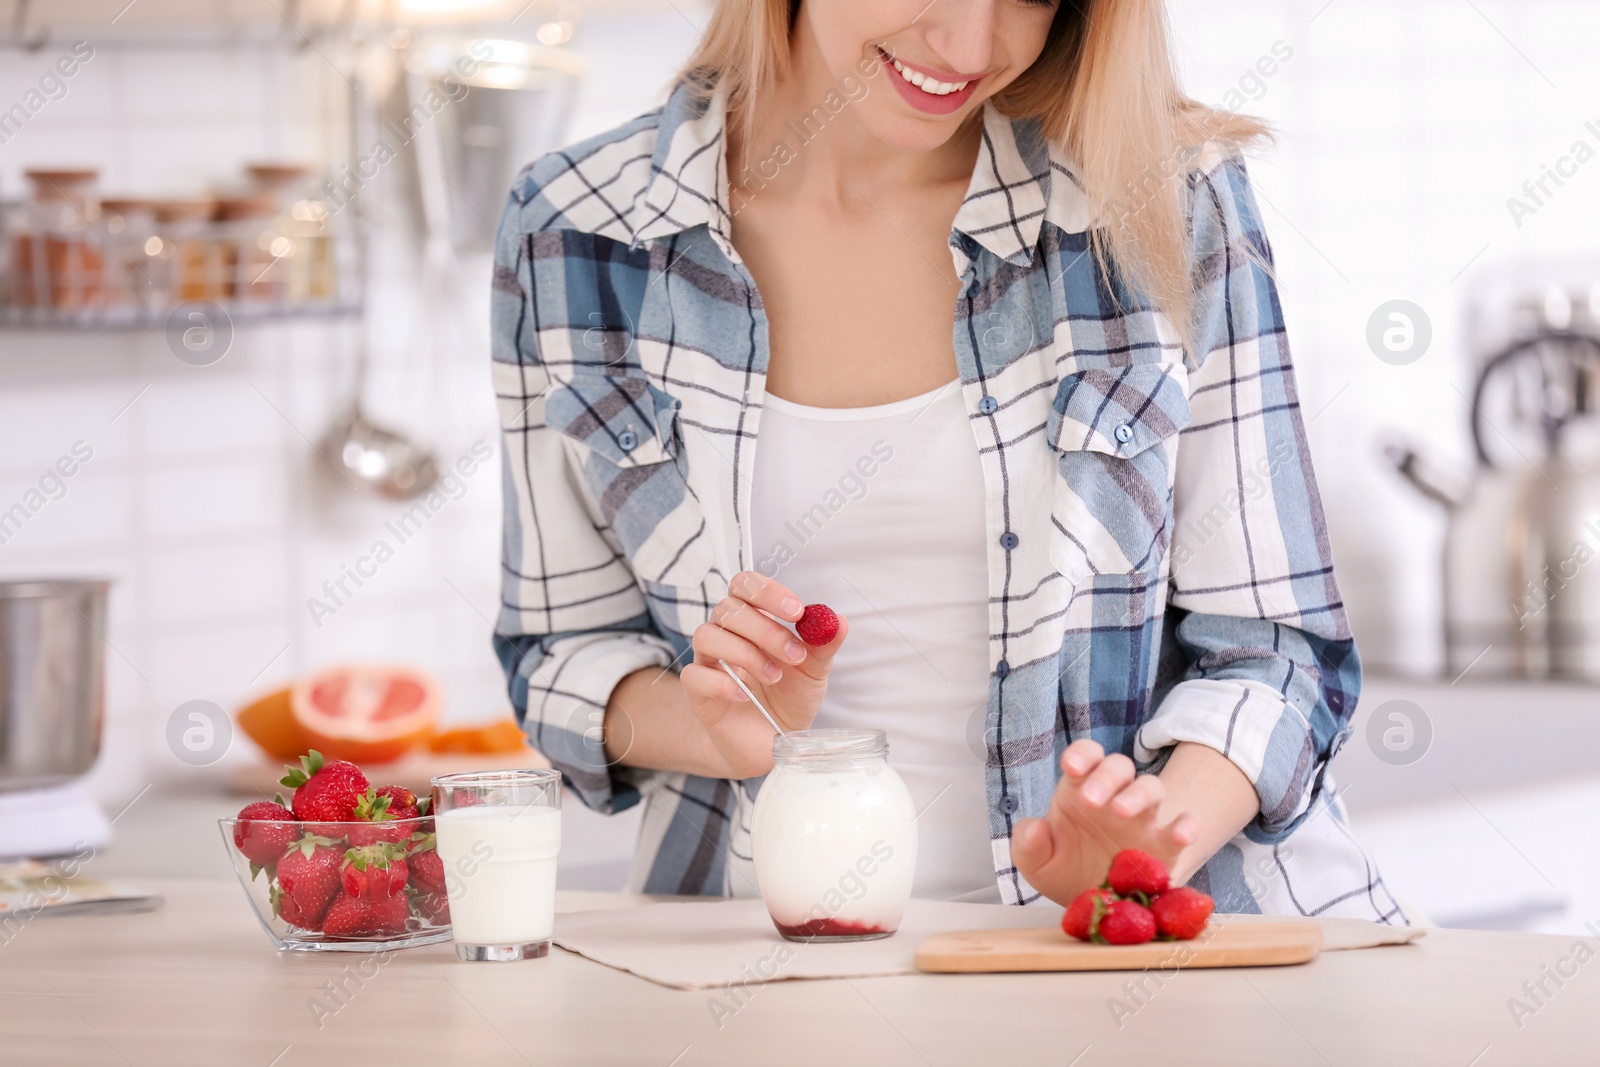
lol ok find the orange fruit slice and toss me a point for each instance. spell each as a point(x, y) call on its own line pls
point(270, 723)
point(499, 736)
point(367, 712)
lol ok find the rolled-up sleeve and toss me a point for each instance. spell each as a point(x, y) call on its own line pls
point(573, 622)
point(1264, 668)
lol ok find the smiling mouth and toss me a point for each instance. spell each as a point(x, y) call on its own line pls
point(931, 86)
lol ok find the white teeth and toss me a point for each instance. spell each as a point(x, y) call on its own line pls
point(928, 85)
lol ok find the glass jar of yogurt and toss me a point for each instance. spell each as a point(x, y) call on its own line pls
point(834, 837)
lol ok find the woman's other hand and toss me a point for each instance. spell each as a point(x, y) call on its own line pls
point(787, 676)
point(1100, 807)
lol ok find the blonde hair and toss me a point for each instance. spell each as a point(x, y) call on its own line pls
point(1104, 89)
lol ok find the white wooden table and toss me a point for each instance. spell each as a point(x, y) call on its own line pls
point(197, 982)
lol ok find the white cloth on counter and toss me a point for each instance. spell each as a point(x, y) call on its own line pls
point(718, 943)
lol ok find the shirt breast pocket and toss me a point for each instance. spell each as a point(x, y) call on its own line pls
point(1114, 433)
point(628, 451)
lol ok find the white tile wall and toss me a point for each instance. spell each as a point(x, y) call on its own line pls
point(1404, 126)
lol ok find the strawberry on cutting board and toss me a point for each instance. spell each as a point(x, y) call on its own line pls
point(1182, 913)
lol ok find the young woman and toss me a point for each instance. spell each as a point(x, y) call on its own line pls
point(958, 317)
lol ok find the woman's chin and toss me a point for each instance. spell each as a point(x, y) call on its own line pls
point(914, 133)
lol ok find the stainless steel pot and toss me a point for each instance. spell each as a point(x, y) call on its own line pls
point(52, 680)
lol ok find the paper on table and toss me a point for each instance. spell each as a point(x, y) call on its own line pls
point(713, 944)
point(29, 888)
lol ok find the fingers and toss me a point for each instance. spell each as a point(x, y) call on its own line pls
point(1032, 846)
point(759, 629)
point(1105, 780)
point(713, 643)
point(1185, 830)
point(705, 683)
point(1143, 794)
point(764, 593)
point(1081, 757)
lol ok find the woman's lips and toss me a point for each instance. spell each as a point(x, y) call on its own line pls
point(937, 102)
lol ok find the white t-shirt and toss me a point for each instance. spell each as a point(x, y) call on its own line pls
point(878, 512)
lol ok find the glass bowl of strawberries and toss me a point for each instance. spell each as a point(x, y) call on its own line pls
point(343, 866)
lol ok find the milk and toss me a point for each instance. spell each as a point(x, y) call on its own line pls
point(835, 849)
point(500, 872)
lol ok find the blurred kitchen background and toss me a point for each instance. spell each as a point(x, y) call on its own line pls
point(1432, 199)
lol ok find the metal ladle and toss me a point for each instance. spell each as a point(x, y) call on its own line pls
point(366, 453)
point(375, 456)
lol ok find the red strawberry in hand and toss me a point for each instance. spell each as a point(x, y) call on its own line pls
point(1133, 872)
point(1082, 917)
point(263, 832)
point(325, 791)
point(818, 625)
point(1182, 913)
point(309, 873)
point(1127, 922)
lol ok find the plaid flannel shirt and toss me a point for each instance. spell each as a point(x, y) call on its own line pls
point(1158, 565)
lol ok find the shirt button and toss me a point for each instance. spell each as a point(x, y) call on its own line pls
point(1009, 540)
point(1124, 433)
point(628, 440)
point(1008, 804)
point(1002, 668)
point(988, 405)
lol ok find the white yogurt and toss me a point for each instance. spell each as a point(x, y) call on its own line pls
point(500, 872)
point(835, 848)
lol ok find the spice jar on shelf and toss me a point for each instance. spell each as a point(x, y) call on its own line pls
point(57, 260)
point(129, 226)
point(312, 275)
point(189, 260)
point(252, 250)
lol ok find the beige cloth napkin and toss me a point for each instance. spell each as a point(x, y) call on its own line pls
point(715, 944)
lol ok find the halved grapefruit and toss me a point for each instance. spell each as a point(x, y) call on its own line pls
point(270, 723)
point(366, 712)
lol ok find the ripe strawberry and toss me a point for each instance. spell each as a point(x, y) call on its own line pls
point(1127, 922)
point(818, 625)
point(350, 916)
point(309, 873)
point(263, 832)
point(1182, 912)
point(376, 809)
point(403, 803)
point(374, 871)
point(427, 869)
point(1133, 872)
point(391, 915)
point(434, 907)
point(285, 908)
point(325, 791)
point(1083, 915)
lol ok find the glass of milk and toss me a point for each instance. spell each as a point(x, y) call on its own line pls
point(498, 833)
point(834, 837)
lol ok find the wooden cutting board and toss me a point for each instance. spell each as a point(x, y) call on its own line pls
point(1223, 944)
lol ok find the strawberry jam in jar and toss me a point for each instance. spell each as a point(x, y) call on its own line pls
point(834, 837)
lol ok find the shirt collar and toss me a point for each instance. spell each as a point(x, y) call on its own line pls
point(1019, 181)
